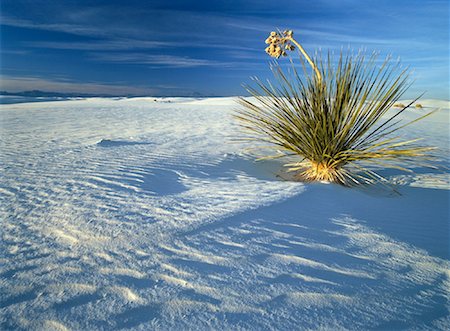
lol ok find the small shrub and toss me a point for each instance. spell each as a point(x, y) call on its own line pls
point(418, 105)
point(332, 119)
point(399, 105)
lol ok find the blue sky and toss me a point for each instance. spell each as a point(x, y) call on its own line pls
point(206, 47)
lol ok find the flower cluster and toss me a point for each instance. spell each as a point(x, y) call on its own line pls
point(279, 43)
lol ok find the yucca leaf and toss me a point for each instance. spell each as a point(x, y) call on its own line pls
point(336, 123)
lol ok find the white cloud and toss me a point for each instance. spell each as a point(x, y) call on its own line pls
point(102, 45)
point(17, 84)
point(130, 44)
point(76, 29)
point(157, 60)
point(64, 85)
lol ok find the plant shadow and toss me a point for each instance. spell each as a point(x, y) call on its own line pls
point(119, 143)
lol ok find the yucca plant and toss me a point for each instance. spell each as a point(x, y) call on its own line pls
point(335, 119)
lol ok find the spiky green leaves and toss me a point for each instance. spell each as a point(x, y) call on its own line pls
point(336, 125)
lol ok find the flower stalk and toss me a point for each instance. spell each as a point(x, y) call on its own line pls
point(279, 43)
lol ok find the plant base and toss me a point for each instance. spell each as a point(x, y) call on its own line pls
point(312, 171)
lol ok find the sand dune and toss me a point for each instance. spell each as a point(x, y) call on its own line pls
point(143, 214)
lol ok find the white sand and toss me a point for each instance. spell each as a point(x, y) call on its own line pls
point(142, 214)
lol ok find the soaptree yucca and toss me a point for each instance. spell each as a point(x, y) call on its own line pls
point(336, 120)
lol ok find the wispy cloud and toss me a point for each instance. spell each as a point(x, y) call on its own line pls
point(197, 31)
point(131, 44)
point(76, 29)
point(128, 40)
point(117, 22)
point(101, 45)
point(319, 34)
point(15, 51)
point(157, 60)
point(63, 85)
point(17, 83)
